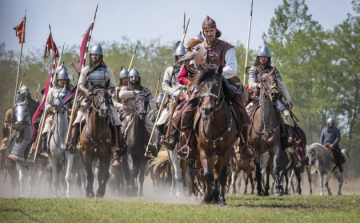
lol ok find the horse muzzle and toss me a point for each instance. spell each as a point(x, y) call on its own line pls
point(207, 111)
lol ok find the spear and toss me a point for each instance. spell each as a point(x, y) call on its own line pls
point(37, 92)
point(248, 42)
point(157, 87)
point(132, 58)
point(184, 29)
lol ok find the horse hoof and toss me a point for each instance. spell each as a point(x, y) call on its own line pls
point(177, 195)
point(339, 193)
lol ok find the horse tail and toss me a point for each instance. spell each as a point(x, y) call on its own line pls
point(155, 162)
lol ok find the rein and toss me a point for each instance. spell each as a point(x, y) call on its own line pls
point(96, 143)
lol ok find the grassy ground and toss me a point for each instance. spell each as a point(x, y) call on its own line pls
point(238, 209)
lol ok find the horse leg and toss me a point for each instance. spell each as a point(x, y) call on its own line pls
point(217, 173)
point(20, 169)
point(69, 164)
point(233, 181)
point(103, 176)
point(222, 180)
point(276, 171)
point(89, 177)
point(321, 175)
point(173, 158)
point(141, 178)
point(252, 182)
point(258, 176)
point(285, 174)
point(308, 171)
point(208, 176)
point(134, 175)
point(298, 177)
point(267, 180)
point(339, 177)
point(328, 175)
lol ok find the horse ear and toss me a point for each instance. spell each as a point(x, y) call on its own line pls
point(220, 69)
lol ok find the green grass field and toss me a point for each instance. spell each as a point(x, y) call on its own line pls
point(238, 209)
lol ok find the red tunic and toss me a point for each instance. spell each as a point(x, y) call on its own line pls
point(183, 76)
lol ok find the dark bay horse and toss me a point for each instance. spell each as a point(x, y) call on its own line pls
point(216, 131)
point(264, 134)
point(95, 140)
point(136, 142)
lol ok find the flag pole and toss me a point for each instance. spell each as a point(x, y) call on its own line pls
point(72, 116)
point(248, 42)
point(19, 61)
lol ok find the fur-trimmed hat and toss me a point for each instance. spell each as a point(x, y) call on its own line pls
point(210, 23)
point(191, 43)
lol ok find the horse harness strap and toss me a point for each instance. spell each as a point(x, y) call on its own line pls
point(216, 141)
point(88, 135)
point(265, 133)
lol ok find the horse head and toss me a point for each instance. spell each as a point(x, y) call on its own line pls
point(21, 113)
point(101, 100)
point(269, 87)
point(209, 83)
point(141, 105)
point(311, 153)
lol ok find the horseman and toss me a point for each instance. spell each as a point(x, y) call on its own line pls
point(53, 104)
point(331, 136)
point(97, 74)
point(219, 53)
point(6, 135)
point(24, 95)
point(153, 113)
point(127, 96)
point(124, 80)
point(170, 86)
point(262, 67)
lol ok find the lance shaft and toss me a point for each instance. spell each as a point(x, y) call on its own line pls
point(248, 42)
point(132, 58)
point(157, 117)
point(157, 87)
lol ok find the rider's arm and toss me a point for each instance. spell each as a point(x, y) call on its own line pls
point(82, 81)
point(252, 79)
point(230, 68)
point(48, 106)
point(337, 140)
point(111, 77)
point(166, 84)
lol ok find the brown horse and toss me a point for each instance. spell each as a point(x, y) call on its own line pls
point(95, 140)
point(242, 162)
point(216, 130)
point(264, 134)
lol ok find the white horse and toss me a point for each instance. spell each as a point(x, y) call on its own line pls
point(57, 155)
point(321, 158)
point(17, 144)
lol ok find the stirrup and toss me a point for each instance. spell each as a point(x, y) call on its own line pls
point(184, 152)
point(122, 150)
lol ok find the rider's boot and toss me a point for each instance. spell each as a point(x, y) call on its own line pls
point(244, 142)
point(44, 147)
point(122, 149)
point(172, 140)
point(153, 149)
point(338, 161)
point(189, 150)
point(71, 147)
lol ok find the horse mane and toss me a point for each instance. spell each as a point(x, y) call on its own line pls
point(205, 73)
point(210, 71)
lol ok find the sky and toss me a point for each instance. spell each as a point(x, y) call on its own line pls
point(146, 20)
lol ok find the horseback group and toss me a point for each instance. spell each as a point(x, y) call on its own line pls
point(202, 115)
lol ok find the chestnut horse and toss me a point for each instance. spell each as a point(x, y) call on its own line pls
point(216, 130)
point(95, 140)
point(264, 134)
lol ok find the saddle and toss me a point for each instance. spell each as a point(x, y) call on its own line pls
point(343, 159)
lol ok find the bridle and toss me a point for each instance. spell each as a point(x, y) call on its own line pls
point(136, 100)
point(268, 91)
point(217, 97)
point(103, 101)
